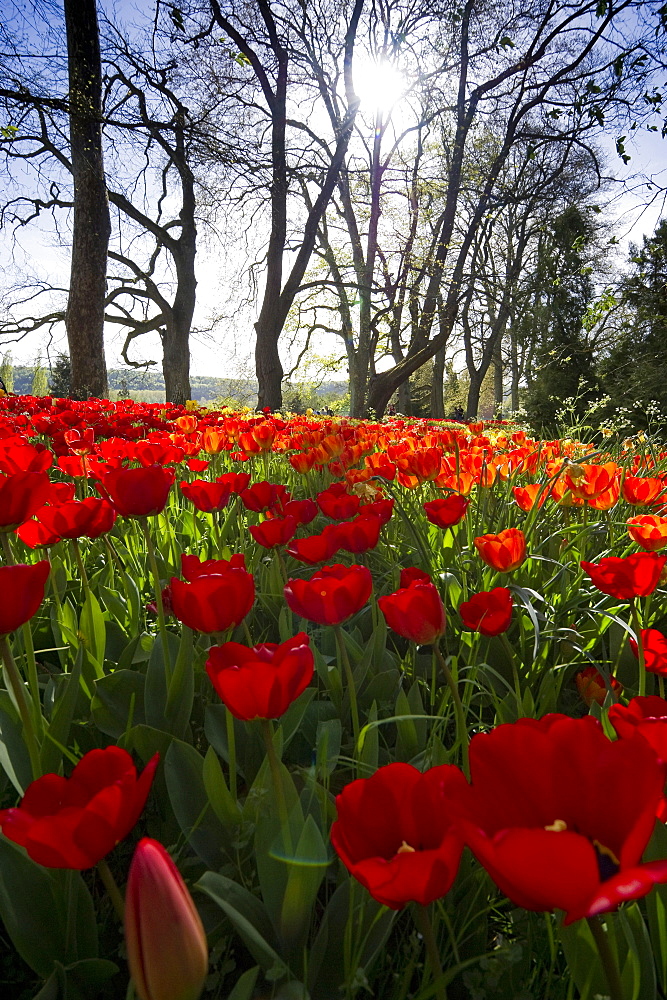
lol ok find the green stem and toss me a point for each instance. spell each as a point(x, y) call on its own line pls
point(458, 708)
point(425, 927)
point(231, 749)
point(112, 889)
point(515, 671)
point(247, 633)
point(7, 549)
point(607, 958)
point(162, 624)
point(16, 684)
point(354, 708)
point(637, 625)
point(274, 766)
point(33, 681)
point(82, 569)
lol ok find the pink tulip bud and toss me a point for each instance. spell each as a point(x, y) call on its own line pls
point(166, 944)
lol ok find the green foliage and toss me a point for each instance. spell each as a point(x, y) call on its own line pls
point(7, 371)
point(40, 385)
point(634, 371)
point(60, 379)
point(563, 288)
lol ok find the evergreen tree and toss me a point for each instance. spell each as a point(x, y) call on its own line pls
point(61, 376)
point(634, 372)
point(563, 288)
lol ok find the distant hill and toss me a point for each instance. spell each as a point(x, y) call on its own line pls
point(205, 389)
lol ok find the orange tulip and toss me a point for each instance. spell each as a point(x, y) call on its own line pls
point(641, 491)
point(504, 551)
point(649, 531)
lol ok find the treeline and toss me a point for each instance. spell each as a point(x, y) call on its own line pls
point(149, 386)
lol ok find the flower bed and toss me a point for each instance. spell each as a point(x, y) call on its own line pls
point(387, 694)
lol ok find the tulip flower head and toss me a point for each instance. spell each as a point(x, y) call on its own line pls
point(215, 598)
point(74, 822)
point(541, 819)
point(488, 612)
point(416, 612)
point(138, 492)
point(636, 575)
point(261, 682)
point(22, 590)
point(331, 595)
point(593, 687)
point(655, 650)
point(166, 944)
point(396, 834)
point(505, 551)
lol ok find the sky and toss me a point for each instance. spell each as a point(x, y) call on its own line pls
point(35, 250)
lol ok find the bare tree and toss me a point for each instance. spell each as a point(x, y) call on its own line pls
point(91, 226)
point(274, 37)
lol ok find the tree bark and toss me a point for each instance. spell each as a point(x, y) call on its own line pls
point(84, 317)
point(438, 385)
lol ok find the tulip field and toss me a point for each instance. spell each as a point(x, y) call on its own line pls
point(310, 708)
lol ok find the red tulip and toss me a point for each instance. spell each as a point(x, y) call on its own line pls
point(206, 496)
point(166, 944)
point(488, 612)
point(647, 716)
point(634, 576)
point(331, 595)
point(237, 481)
point(505, 551)
point(261, 682)
point(337, 503)
point(395, 832)
point(655, 650)
point(359, 535)
point(138, 492)
point(81, 442)
point(21, 494)
point(91, 518)
point(416, 612)
point(192, 567)
point(273, 532)
point(411, 573)
point(559, 815)
point(315, 548)
point(213, 602)
point(445, 512)
point(22, 590)
point(303, 511)
point(264, 496)
point(74, 822)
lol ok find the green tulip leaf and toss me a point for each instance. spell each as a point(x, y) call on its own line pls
point(248, 917)
point(80, 981)
point(48, 913)
point(118, 702)
point(184, 774)
point(14, 756)
point(62, 714)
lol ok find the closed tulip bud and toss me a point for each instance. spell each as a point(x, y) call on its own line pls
point(166, 944)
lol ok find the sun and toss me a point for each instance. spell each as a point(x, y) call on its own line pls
point(379, 85)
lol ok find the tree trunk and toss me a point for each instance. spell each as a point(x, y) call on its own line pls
point(176, 364)
point(438, 385)
point(474, 391)
point(498, 395)
point(268, 366)
point(516, 374)
point(84, 317)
